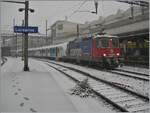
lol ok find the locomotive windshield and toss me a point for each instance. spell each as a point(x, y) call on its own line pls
point(105, 42)
point(102, 42)
point(115, 42)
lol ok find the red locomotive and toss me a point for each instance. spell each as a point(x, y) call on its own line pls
point(100, 49)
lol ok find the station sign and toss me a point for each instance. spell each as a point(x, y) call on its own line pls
point(23, 29)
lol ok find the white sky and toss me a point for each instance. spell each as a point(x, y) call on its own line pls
point(56, 10)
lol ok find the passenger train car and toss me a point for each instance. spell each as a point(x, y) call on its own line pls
point(102, 50)
point(53, 52)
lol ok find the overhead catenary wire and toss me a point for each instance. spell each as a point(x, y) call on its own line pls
point(78, 8)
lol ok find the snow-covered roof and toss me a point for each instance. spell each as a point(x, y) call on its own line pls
point(109, 36)
point(51, 46)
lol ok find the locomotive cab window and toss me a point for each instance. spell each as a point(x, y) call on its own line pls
point(102, 42)
point(106, 42)
point(115, 42)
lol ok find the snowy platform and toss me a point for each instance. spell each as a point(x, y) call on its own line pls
point(40, 90)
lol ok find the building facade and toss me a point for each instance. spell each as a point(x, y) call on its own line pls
point(63, 30)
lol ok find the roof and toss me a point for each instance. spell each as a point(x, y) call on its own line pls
point(51, 46)
point(109, 36)
point(65, 21)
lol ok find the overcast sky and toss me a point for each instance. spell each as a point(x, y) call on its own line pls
point(56, 10)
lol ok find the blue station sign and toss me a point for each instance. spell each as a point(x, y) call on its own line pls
point(23, 29)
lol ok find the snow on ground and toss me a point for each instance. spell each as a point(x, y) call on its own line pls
point(137, 85)
point(2, 60)
point(82, 104)
point(41, 89)
point(135, 69)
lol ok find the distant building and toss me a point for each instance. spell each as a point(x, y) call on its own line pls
point(63, 30)
point(15, 42)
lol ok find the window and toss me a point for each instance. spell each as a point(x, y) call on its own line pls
point(60, 27)
point(102, 42)
point(115, 42)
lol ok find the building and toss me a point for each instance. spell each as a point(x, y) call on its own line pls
point(63, 30)
point(15, 41)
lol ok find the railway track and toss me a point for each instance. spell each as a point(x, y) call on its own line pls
point(135, 75)
point(94, 77)
point(133, 72)
point(125, 73)
point(121, 98)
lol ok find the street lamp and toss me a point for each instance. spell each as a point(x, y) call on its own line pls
point(96, 6)
point(21, 9)
point(26, 9)
point(26, 68)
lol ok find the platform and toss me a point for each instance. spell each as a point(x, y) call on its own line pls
point(35, 90)
point(42, 89)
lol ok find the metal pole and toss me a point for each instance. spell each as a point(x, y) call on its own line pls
point(89, 29)
point(22, 40)
point(46, 31)
point(96, 6)
point(16, 46)
point(26, 68)
point(52, 34)
point(78, 30)
point(15, 40)
point(132, 11)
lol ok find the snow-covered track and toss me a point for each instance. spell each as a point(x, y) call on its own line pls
point(121, 98)
point(142, 74)
point(130, 74)
point(108, 82)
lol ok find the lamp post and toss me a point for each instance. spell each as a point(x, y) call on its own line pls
point(96, 6)
point(26, 68)
point(26, 3)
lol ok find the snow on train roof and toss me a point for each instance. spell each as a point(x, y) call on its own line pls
point(112, 36)
point(50, 46)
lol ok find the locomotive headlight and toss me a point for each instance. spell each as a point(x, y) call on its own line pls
point(104, 54)
point(118, 54)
